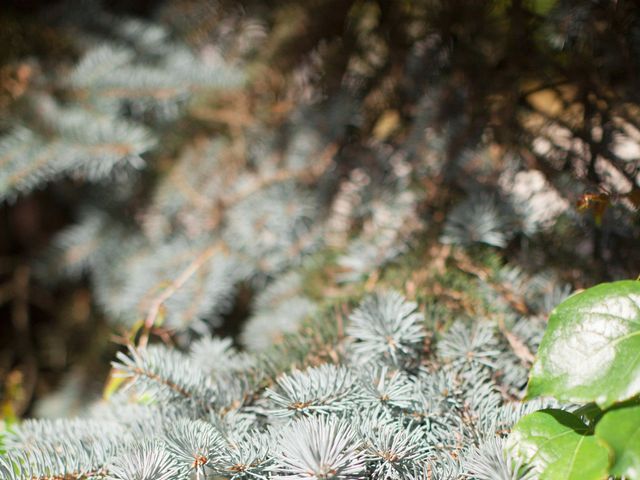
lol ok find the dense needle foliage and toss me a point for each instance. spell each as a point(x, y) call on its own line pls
point(325, 235)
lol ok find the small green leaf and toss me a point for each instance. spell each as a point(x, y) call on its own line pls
point(557, 445)
point(591, 348)
point(620, 430)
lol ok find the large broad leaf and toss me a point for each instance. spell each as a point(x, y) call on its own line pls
point(591, 348)
point(556, 445)
point(620, 430)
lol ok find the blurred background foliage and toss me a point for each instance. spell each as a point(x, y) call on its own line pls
point(449, 148)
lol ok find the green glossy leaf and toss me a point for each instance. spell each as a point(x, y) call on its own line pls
point(620, 430)
point(557, 446)
point(591, 348)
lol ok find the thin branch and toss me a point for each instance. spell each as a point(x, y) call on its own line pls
point(518, 347)
point(178, 283)
point(465, 264)
point(285, 174)
point(157, 378)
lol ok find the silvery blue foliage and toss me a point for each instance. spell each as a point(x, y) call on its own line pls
point(491, 461)
point(392, 447)
point(386, 328)
point(393, 394)
point(387, 391)
point(271, 225)
point(196, 446)
point(109, 119)
point(317, 448)
point(411, 411)
point(145, 461)
point(478, 219)
point(248, 457)
point(93, 138)
point(63, 447)
point(324, 389)
point(201, 298)
point(92, 148)
point(464, 345)
point(167, 375)
point(278, 309)
point(386, 233)
point(228, 359)
point(447, 469)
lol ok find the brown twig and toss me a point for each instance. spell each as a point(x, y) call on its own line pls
point(168, 292)
point(517, 345)
point(465, 264)
point(285, 174)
